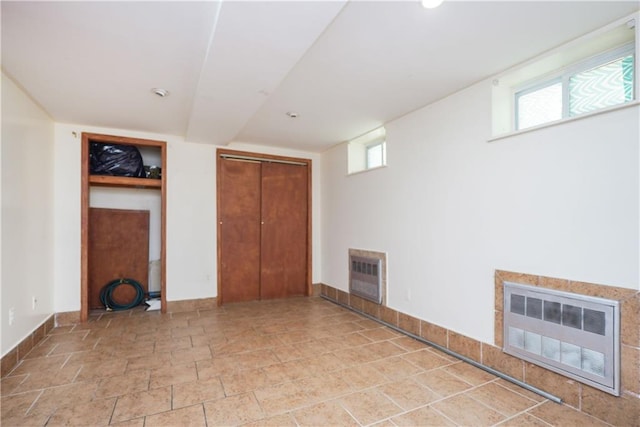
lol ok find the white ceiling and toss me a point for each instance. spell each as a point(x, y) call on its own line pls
point(235, 68)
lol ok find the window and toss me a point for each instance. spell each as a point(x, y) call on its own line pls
point(591, 73)
point(368, 151)
point(590, 85)
point(376, 154)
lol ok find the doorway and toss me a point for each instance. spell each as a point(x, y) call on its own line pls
point(264, 226)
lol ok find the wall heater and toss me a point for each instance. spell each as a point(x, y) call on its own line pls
point(571, 334)
point(365, 278)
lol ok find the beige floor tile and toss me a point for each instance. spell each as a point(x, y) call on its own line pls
point(41, 350)
point(301, 361)
point(522, 391)
point(189, 416)
point(40, 364)
point(9, 384)
point(362, 376)
point(213, 368)
point(73, 346)
point(562, 415)
point(408, 394)
point(17, 405)
point(254, 359)
point(120, 385)
point(173, 375)
point(408, 343)
point(94, 413)
point(187, 394)
point(52, 378)
point(524, 420)
point(281, 398)
point(101, 369)
point(169, 344)
point(381, 333)
point(466, 411)
point(369, 406)
point(355, 356)
point(284, 420)
point(140, 404)
point(137, 422)
point(233, 410)
point(244, 381)
point(425, 416)
point(157, 361)
point(469, 373)
point(64, 396)
point(501, 399)
point(287, 371)
point(322, 364)
point(324, 387)
point(425, 359)
point(395, 368)
point(324, 414)
point(442, 382)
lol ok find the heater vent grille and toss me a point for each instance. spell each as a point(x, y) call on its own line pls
point(365, 278)
point(572, 334)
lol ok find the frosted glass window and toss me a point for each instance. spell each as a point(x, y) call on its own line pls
point(552, 312)
point(517, 304)
point(532, 342)
point(571, 355)
point(594, 321)
point(376, 155)
point(551, 348)
point(539, 106)
point(534, 308)
point(516, 337)
point(597, 82)
point(601, 87)
point(572, 316)
point(593, 362)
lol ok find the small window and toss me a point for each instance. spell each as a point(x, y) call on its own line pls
point(539, 105)
point(590, 85)
point(368, 151)
point(376, 155)
point(594, 72)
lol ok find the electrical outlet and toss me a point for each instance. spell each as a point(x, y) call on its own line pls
point(12, 315)
point(34, 303)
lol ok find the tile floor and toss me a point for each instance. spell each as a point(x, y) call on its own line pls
point(297, 362)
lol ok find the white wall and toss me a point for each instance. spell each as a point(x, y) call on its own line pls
point(191, 213)
point(27, 222)
point(450, 208)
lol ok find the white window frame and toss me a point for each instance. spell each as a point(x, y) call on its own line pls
point(357, 151)
point(564, 75)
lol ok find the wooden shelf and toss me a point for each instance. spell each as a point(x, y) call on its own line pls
point(124, 181)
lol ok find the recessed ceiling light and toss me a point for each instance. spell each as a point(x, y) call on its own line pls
point(292, 114)
point(431, 4)
point(160, 92)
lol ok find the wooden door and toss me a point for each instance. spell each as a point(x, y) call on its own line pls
point(283, 258)
point(118, 248)
point(263, 227)
point(239, 230)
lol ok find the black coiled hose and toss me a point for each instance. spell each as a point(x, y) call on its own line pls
point(106, 294)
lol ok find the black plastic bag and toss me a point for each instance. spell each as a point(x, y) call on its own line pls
point(116, 160)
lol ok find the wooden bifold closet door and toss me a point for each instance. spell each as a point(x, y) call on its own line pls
point(262, 230)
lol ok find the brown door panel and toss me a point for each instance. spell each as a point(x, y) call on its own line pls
point(284, 230)
point(118, 248)
point(239, 230)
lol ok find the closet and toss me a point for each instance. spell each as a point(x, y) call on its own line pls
point(123, 223)
point(264, 226)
